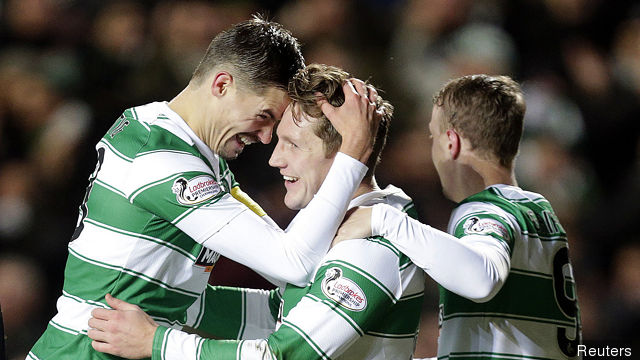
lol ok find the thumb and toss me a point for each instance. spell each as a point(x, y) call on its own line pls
point(327, 109)
point(118, 304)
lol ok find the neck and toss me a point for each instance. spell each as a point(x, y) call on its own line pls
point(476, 174)
point(367, 185)
point(181, 105)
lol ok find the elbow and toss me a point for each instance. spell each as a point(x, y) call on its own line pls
point(486, 291)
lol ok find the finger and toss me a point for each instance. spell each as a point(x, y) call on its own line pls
point(119, 304)
point(373, 95)
point(97, 335)
point(360, 86)
point(326, 108)
point(97, 324)
point(349, 88)
point(103, 314)
point(103, 347)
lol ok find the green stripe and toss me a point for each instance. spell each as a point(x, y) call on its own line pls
point(165, 343)
point(297, 352)
point(522, 295)
point(402, 318)
point(135, 221)
point(134, 273)
point(158, 342)
point(91, 282)
point(151, 184)
point(68, 330)
point(115, 152)
point(334, 307)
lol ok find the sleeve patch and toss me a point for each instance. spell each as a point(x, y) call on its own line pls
point(195, 190)
point(343, 291)
point(476, 225)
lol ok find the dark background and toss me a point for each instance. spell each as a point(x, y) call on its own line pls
point(68, 68)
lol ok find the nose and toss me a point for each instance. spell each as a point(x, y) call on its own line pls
point(265, 134)
point(276, 159)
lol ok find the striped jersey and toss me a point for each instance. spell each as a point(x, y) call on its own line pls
point(364, 303)
point(157, 204)
point(535, 314)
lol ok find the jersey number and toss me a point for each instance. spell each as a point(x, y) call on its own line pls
point(83, 208)
point(569, 305)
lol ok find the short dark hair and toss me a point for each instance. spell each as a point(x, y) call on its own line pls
point(487, 110)
point(328, 80)
point(263, 52)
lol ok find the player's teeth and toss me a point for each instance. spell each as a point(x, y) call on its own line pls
point(290, 178)
point(245, 140)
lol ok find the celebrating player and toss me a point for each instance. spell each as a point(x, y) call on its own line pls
point(507, 289)
point(162, 203)
point(364, 300)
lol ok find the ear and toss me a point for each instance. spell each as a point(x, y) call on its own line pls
point(453, 143)
point(221, 82)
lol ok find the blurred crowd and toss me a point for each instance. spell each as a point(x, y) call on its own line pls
point(68, 68)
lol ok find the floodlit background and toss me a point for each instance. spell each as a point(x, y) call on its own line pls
point(68, 68)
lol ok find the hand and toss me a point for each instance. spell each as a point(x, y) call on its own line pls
point(356, 225)
point(356, 120)
point(125, 331)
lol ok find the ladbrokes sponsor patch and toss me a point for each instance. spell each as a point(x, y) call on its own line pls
point(475, 225)
point(195, 190)
point(343, 290)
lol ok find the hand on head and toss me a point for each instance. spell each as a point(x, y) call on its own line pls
point(356, 120)
point(125, 331)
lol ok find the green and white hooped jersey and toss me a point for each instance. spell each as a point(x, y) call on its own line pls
point(535, 314)
point(155, 189)
point(364, 303)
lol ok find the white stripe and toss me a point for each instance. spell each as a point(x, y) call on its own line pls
point(323, 325)
point(114, 151)
point(161, 165)
point(136, 236)
point(259, 322)
point(32, 355)
point(181, 346)
point(157, 264)
point(361, 253)
point(501, 335)
point(202, 223)
point(110, 188)
point(243, 310)
point(114, 170)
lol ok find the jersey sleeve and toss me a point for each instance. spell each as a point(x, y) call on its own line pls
point(237, 313)
point(343, 303)
point(474, 267)
point(180, 189)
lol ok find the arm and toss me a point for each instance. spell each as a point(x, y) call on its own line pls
point(474, 266)
point(320, 323)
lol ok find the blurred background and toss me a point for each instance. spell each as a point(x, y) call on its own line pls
point(68, 68)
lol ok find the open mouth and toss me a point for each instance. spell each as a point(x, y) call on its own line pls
point(290, 179)
point(246, 139)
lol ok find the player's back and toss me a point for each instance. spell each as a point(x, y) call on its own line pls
point(535, 313)
point(122, 247)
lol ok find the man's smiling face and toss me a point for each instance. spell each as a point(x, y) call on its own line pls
point(301, 158)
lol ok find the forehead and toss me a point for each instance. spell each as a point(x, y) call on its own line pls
point(275, 100)
point(436, 118)
point(296, 129)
